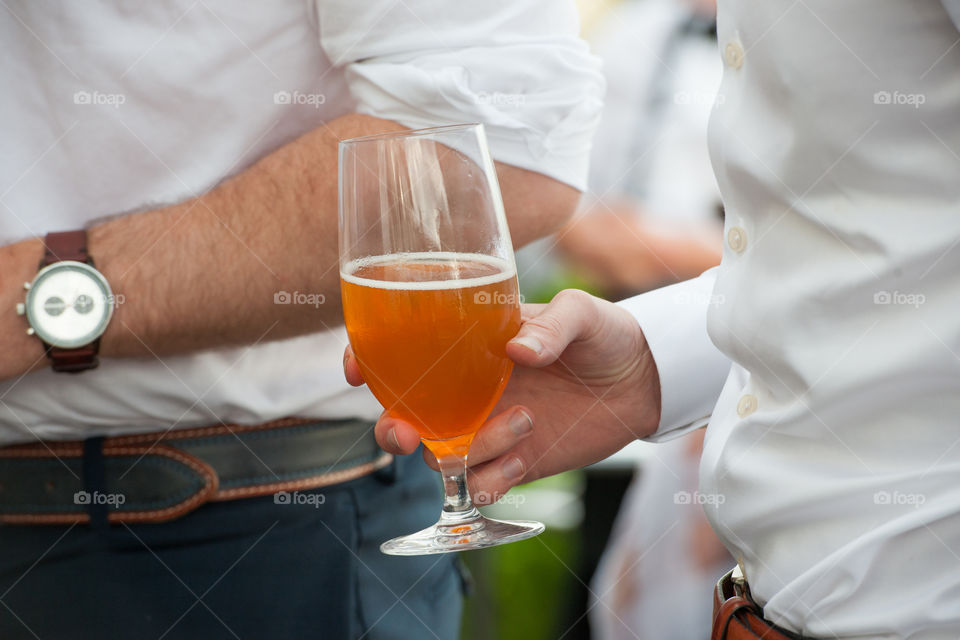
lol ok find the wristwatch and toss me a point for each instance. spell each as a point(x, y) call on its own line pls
point(68, 304)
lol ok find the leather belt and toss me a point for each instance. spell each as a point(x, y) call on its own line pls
point(737, 617)
point(155, 477)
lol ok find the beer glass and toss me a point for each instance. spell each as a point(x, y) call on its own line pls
point(430, 300)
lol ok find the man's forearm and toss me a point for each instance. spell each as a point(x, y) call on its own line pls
point(204, 273)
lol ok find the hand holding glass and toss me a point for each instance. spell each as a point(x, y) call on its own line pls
point(430, 300)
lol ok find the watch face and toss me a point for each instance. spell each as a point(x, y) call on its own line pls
point(69, 304)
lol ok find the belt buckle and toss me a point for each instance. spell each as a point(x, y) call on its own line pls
point(739, 580)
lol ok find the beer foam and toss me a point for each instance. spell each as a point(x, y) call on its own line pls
point(506, 270)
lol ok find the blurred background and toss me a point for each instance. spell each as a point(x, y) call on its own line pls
point(627, 552)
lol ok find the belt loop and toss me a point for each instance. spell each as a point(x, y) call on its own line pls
point(94, 481)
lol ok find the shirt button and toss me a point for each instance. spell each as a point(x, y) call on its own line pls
point(747, 405)
point(737, 239)
point(733, 55)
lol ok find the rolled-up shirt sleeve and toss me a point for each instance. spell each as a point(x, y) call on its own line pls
point(517, 66)
point(692, 370)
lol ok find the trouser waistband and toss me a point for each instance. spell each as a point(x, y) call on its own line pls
point(154, 477)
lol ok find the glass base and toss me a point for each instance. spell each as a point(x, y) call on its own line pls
point(469, 531)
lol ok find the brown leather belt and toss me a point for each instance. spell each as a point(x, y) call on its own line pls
point(154, 477)
point(737, 617)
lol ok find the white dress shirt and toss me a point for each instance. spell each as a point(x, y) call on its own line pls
point(109, 110)
point(834, 442)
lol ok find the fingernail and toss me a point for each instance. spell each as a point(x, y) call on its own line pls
point(530, 343)
point(521, 423)
point(392, 437)
point(512, 469)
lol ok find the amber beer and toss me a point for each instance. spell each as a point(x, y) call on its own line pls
point(429, 333)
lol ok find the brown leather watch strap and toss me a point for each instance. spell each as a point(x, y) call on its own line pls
point(74, 360)
point(65, 245)
point(60, 246)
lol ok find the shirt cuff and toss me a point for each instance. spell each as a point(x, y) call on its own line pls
point(692, 370)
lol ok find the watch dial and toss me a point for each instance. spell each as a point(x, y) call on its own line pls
point(69, 304)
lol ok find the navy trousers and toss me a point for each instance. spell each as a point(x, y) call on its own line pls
point(254, 568)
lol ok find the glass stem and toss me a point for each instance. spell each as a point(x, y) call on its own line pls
point(457, 505)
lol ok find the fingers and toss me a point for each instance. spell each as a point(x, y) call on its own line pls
point(497, 455)
point(490, 481)
point(351, 370)
point(396, 436)
point(497, 436)
point(542, 338)
point(500, 434)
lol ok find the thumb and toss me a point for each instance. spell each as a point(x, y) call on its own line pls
point(569, 317)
